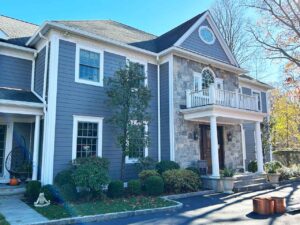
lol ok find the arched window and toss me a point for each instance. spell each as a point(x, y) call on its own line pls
point(207, 78)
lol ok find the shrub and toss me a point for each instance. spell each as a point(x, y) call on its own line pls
point(154, 185)
point(227, 172)
point(51, 193)
point(64, 177)
point(181, 180)
point(252, 166)
point(91, 173)
point(194, 169)
point(32, 190)
point(273, 166)
point(147, 173)
point(166, 165)
point(134, 187)
point(68, 192)
point(115, 189)
point(146, 163)
point(287, 173)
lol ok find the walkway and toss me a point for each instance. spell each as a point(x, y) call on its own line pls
point(16, 212)
point(220, 209)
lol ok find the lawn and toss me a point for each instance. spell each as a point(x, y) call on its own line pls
point(101, 207)
point(3, 221)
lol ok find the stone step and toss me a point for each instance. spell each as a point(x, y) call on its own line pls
point(253, 187)
point(249, 176)
point(6, 190)
point(250, 181)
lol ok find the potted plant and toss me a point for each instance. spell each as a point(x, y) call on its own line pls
point(228, 180)
point(13, 181)
point(271, 170)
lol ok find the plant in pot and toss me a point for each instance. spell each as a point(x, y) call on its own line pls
point(272, 171)
point(228, 180)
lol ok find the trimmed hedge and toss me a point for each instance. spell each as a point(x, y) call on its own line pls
point(68, 192)
point(154, 185)
point(181, 181)
point(134, 187)
point(163, 166)
point(33, 189)
point(115, 189)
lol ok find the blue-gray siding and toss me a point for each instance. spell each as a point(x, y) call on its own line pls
point(195, 44)
point(15, 72)
point(39, 72)
point(246, 91)
point(264, 102)
point(164, 111)
point(86, 100)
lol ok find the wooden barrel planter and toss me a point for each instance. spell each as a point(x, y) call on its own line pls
point(263, 205)
point(279, 204)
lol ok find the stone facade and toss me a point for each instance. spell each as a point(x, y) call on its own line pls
point(233, 148)
point(187, 150)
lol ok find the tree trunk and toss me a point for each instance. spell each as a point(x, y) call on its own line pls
point(122, 167)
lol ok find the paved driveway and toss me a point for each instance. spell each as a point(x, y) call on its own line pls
point(220, 209)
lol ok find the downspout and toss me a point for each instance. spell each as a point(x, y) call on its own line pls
point(158, 108)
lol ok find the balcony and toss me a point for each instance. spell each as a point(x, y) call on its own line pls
point(228, 106)
point(213, 96)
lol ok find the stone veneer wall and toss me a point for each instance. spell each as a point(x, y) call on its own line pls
point(233, 149)
point(187, 150)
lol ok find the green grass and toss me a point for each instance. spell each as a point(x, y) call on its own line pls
point(101, 207)
point(3, 221)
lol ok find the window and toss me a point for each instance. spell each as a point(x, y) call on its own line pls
point(206, 35)
point(207, 78)
point(143, 68)
point(219, 83)
point(256, 93)
point(89, 64)
point(87, 137)
point(135, 143)
point(197, 82)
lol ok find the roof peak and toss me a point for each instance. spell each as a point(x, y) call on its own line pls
point(23, 21)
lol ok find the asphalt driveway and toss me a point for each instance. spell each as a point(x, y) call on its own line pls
point(220, 209)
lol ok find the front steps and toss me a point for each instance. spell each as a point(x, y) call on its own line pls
point(6, 190)
point(251, 182)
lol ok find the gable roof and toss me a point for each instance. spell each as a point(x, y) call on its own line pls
point(18, 95)
point(18, 32)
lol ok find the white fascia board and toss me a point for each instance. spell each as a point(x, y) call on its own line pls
point(256, 83)
point(54, 25)
point(17, 47)
point(21, 103)
point(20, 110)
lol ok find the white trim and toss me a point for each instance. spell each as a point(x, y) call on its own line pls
point(90, 119)
point(36, 145)
point(158, 111)
point(146, 150)
point(202, 38)
point(21, 103)
point(50, 116)
point(32, 74)
point(3, 35)
point(254, 82)
point(8, 147)
point(171, 108)
point(243, 146)
point(77, 64)
point(260, 99)
point(16, 54)
point(17, 47)
point(23, 110)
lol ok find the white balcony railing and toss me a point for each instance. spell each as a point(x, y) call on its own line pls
point(213, 96)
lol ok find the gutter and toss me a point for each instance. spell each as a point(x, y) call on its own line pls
point(17, 47)
point(255, 82)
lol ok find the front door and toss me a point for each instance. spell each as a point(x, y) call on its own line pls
point(205, 146)
point(3, 129)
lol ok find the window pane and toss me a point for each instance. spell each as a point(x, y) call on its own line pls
point(89, 58)
point(89, 65)
point(89, 73)
point(87, 139)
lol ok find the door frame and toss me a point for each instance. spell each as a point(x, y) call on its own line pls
point(8, 146)
point(220, 132)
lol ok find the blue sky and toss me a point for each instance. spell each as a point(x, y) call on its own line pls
point(153, 16)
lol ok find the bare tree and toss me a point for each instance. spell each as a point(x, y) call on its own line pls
point(278, 31)
point(230, 17)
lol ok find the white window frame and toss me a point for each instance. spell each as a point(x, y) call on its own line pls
point(101, 65)
point(258, 92)
point(206, 42)
point(89, 119)
point(197, 76)
point(219, 81)
point(146, 150)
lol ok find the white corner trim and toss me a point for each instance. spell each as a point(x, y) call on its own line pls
point(90, 119)
point(201, 37)
point(243, 146)
point(50, 116)
point(8, 147)
point(171, 108)
point(101, 65)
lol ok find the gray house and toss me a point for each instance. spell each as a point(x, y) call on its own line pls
point(52, 96)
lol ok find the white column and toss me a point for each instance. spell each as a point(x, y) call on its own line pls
point(212, 94)
point(259, 151)
point(36, 145)
point(188, 99)
point(214, 147)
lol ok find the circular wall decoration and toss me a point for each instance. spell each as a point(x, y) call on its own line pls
point(206, 35)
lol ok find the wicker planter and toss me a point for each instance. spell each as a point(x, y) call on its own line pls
point(263, 206)
point(273, 178)
point(228, 184)
point(280, 205)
